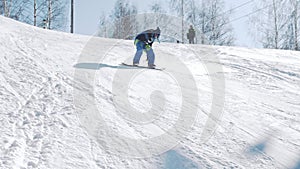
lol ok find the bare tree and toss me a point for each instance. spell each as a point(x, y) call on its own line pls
point(180, 7)
point(5, 6)
point(276, 24)
point(54, 12)
point(49, 19)
point(215, 24)
point(290, 29)
point(104, 26)
point(158, 9)
point(124, 20)
point(207, 16)
point(295, 16)
point(36, 11)
point(15, 9)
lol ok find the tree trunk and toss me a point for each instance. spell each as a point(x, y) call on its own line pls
point(296, 26)
point(49, 14)
point(8, 8)
point(213, 22)
point(5, 8)
point(275, 24)
point(203, 24)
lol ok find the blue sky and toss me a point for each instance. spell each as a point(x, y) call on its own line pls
point(87, 15)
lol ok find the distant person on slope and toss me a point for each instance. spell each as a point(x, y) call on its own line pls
point(143, 42)
point(191, 35)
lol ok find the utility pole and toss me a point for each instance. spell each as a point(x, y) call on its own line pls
point(182, 24)
point(72, 16)
point(34, 13)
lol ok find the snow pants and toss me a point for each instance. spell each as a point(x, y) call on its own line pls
point(140, 47)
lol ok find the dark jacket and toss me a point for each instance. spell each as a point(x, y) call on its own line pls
point(191, 34)
point(148, 36)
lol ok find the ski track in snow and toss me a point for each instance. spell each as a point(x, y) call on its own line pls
point(259, 128)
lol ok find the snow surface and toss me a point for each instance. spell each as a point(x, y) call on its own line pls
point(47, 115)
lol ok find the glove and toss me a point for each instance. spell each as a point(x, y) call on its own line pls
point(158, 40)
point(148, 47)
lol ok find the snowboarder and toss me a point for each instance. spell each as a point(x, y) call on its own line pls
point(143, 42)
point(191, 35)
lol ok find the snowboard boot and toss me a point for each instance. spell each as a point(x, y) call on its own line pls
point(151, 66)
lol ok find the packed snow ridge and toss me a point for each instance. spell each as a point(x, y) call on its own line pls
point(67, 103)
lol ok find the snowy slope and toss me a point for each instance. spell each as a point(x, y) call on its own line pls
point(66, 103)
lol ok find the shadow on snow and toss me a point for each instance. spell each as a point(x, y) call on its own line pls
point(174, 160)
point(97, 66)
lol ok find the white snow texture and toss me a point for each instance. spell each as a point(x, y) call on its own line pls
point(65, 104)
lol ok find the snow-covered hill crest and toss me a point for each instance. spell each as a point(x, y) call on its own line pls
point(66, 103)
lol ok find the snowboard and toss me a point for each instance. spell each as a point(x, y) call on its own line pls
point(142, 67)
